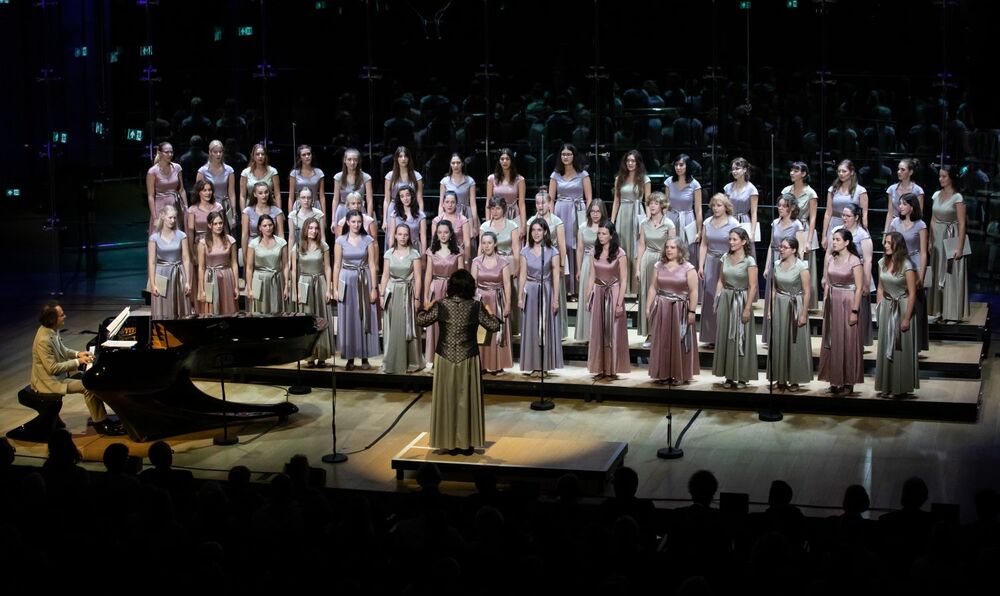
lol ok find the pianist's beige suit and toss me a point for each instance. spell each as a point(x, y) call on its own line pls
point(52, 363)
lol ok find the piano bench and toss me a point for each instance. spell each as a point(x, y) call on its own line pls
point(40, 427)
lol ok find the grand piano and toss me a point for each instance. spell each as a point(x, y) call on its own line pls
point(148, 382)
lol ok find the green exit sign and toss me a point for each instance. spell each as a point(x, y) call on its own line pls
point(217, 34)
point(80, 52)
point(320, 4)
point(745, 5)
point(146, 50)
point(246, 31)
point(12, 192)
point(792, 4)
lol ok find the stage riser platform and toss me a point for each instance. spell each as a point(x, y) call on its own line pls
point(944, 400)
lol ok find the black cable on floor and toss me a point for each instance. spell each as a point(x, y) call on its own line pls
point(391, 426)
point(686, 427)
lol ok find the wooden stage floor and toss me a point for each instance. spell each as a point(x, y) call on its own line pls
point(818, 454)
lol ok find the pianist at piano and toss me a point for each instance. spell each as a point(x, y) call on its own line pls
point(52, 363)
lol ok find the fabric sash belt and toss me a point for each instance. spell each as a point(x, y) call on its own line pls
point(737, 329)
point(497, 289)
point(405, 285)
point(893, 326)
point(363, 293)
point(607, 308)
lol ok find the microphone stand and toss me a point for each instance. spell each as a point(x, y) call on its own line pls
point(298, 388)
point(335, 457)
point(770, 413)
point(670, 451)
point(542, 404)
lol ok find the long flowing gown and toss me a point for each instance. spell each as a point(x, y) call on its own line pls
point(894, 194)
point(508, 191)
point(912, 238)
point(312, 285)
point(741, 206)
point(948, 295)
point(630, 217)
point(841, 354)
point(457, 412)
point(778, 234)
point(310, 182)
point(841, 200)
point(535, 328)
point(896, 368)
point(174, 303)
point(219, 270)
point(441, 269)
point(582, 330)
point(220, 182)
point(268, 282)
point(554, 223)
point(790, 350)
point(674, 354)
point(718, 247)
point(735, 341)
point(357, 335)
point(201, 220)
point(682, 213)
point(347, 188)
point(656, 237)
point(400, 334)
point(505, 248)
point(166, 192)
point(414, 223)
point(859, 235)
point(569, 203)
point(803, 200)
point(607, 353)
point(496, 354)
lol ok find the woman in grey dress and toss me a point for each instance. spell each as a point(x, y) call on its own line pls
point(402, 173)
point(356, 291)
point(262, 203)
point(541, 339)
point(735, 336)
point(259, 170)
point(786, 226)
point(842, 193)
point(714, 247)
point(585, 241)
point(653, 232)
point(223, 180)
point(948, 296)
point(632, 186)
point(311, 272)
point(267, 285)
point(808, 202)
point(684, 194)
point(789, 353)
point(851, 216)
point(910, 224)
point(457, 414)
point(351, 178)
point(169, 267)
point(402, 274)
point(570, 187)
point(464, 187)
point(904, 171)
point(406, 213)
point(508, 233)
point(744, 197)
point(306, 176)
point(896, 369)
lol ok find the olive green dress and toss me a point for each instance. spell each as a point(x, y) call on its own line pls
point(790, 349)
point(948, 294)
point(400, 335)
point(735, 341)
point(896, 369)
point(655, 239)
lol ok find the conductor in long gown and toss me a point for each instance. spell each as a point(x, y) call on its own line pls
point(457, 416)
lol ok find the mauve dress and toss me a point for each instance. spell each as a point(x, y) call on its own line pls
point(656, 237)
point(309, 268)
point(268, 278)
point(859, 235)
point(509, 193)
point(462, 222)
point(346, 189)
point(505, 248)
point(718, 247)
point(462, 191)
point(569, 200)
point(441, 269)
point(414, 223)
point(682, 213)
point(607, 352)
point(735, 341)
point(357, 335)
point(841, 353)
point(912, 238)
point(417, 177)
point(948, 294)
point(253, 217)
point(538, 286)
point(495, 355)
point(674, 354)
point(778, 234)
point(219, 268)
point(169, 264)
point(554, 222)
point(201, 220)
point(400, 334)
point(582, 330)
point(803, 200)
point(790, 350)
point(894, 194)
point(166, 191)
point(896, 368)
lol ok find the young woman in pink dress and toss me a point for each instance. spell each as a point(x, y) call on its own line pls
point(607, 352)
point(218, 293)
point(443, 259)
point(671, 302)
point(492, 273)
